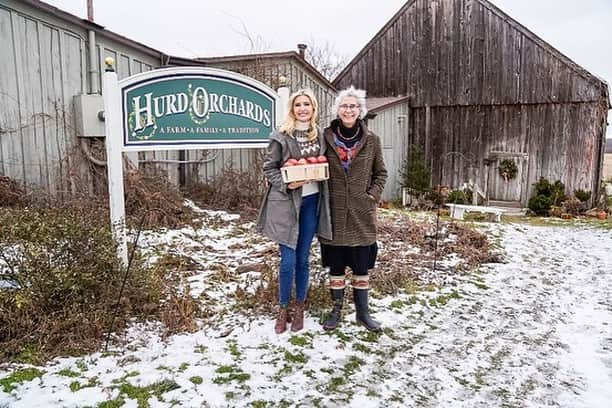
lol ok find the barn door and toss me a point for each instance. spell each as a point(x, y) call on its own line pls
point(501, 186)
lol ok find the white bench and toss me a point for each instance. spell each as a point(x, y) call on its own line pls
point(458, 210)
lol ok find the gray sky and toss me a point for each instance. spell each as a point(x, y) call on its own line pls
point(195, 28)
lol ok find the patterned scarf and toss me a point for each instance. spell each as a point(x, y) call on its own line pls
point(346, 153)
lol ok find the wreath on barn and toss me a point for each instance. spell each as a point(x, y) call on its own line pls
point(507, 169)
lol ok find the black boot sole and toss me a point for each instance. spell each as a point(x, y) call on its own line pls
point(370, 328)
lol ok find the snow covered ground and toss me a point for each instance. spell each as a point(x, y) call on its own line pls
point(535, 331)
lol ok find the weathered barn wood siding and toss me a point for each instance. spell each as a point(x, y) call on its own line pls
point(542, 139)
point(40, 71)
point(267, 71)
point(43, 65)
point(392, 126)
point(485, 86)
point(464, 52)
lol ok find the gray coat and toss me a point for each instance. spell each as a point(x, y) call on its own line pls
point(279, 213)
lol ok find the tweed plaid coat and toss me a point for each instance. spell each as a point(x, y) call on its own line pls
point(353, 212)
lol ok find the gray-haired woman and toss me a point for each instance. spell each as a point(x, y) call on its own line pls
point(357, 178)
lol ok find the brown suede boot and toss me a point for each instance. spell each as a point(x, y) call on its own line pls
point(298, 318)
point(281, 320)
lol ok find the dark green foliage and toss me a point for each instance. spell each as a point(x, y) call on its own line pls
point(415, 175)
point(507, 169)
point(540, 204)
point(459, 197)
point(546, 195)
point(582, 195)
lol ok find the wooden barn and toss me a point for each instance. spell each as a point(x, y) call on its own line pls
point(51, 60)
point(482, 89)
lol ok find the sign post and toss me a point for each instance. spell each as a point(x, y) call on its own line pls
point(114, 158)
point(181, 108)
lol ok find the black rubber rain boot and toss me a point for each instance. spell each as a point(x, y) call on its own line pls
point(362, 311)
point(335, 316)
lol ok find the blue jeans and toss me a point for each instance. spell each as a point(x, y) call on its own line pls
point(294, 263)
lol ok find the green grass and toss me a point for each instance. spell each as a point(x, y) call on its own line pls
point(232, 348)
point(443, 299)
point(142, 394)
point(197, 380)
point(125, 377)
point(76, 385)
point(352, 365)
point(300, 341)
point(335, 383)
point(116, 403)
point(362, 347)
point(556, 222)
point(66, 372)
point(299, 357)
point(81, 365)
point(200, 349)
point(229, 374)
point(9, 383)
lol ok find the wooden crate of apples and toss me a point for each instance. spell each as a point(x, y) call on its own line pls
point(308, 169)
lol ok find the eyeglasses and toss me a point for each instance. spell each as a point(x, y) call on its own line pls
point(348, 107)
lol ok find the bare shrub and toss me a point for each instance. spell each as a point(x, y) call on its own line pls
point(60, 266)
point(152, 192)
point(409, 249)
point(472, 246)
point(11, 194)
point(179, 309)
point(232, 190)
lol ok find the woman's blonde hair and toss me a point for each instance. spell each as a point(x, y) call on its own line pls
point(288, 126)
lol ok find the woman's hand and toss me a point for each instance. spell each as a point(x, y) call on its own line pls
point(296, 184)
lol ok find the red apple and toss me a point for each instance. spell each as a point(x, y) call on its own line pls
point(290, 162)
point(312, 160)
point(321, 159)
point(302, 161)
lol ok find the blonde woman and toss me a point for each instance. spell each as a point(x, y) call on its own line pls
point(292, 213)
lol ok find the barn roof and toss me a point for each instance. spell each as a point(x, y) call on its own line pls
point(90, 25)
point(495, 10)
point(378, 104)
point(292, 55)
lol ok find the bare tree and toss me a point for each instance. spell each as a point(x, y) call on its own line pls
point(256, 43)
point(325, 58)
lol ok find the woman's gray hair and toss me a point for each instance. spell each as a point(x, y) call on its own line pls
point(359, 94)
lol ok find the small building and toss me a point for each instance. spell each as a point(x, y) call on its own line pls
point(388, 118)
point(607, 169)
point(484, 90)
